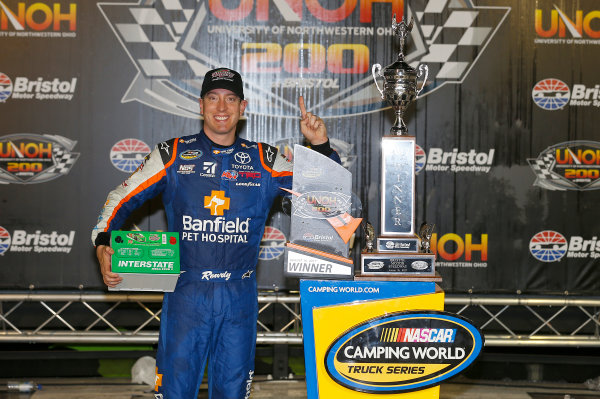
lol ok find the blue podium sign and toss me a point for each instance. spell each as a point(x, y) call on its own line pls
point(381, 337)
point(330, 308)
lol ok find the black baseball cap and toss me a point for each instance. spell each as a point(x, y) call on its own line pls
point(223, 78)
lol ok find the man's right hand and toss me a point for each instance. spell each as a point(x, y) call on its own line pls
point(104, 252)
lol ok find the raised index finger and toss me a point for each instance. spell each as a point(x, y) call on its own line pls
point(302, 106)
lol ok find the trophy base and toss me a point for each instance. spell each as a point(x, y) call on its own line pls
point(395, 277)
point(398, 244)
point(305, 262)
point(397, 263)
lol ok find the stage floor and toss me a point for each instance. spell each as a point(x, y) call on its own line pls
point(114, 388)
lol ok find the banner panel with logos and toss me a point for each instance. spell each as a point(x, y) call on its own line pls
point(508, 153)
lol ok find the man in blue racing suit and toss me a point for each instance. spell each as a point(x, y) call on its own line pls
point(217, 190)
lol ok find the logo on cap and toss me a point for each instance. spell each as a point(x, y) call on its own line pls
point(223, 74)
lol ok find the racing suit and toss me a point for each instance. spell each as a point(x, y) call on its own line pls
point(218, 199)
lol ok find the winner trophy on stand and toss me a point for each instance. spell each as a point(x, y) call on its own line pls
point(353, 331)
point(401, 251)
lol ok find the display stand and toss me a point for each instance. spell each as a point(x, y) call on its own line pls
point(371, 337)
point(331, 309)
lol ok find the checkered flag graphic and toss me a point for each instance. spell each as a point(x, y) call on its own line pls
point(455, 33)
point(545, 177)
point(151, 31)
point(63, 160)
point(171, 43)
point(542, 167)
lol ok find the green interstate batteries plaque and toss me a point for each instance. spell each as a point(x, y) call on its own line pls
point(145, 252)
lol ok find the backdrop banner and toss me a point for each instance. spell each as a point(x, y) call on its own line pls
point(508, 149)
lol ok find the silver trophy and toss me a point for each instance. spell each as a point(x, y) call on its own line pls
point(400, 79)
point(402, 251)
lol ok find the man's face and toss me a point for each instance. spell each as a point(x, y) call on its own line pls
point(222, 110)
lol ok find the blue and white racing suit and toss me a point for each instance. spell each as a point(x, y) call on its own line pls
point(218, 199)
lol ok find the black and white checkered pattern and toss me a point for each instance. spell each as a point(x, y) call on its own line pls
point(151, 33)
point(542, 166)
point(455, 34)
point(63, 160)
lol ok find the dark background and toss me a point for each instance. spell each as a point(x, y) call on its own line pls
point(488, 107)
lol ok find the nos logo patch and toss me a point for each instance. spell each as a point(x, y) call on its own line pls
point(403, 352)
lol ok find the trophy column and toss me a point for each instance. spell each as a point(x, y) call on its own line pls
point(401, 250)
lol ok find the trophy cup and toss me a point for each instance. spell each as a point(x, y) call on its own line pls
point(400, 79)
point(399, 251)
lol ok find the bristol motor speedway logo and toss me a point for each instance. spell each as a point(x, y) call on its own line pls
point(553, 94)
point(35, 242)
point(33, 158)
point(127, 154)
point(552, 246)
point(283, 48)
point(4, 240)
point(6, 87)
point(455, 161)
point(272, 245)
point(572, 165)
point(24, 88)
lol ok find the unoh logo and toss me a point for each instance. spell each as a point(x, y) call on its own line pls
point(33, 158)
point(402, 352)
point(321, 204)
